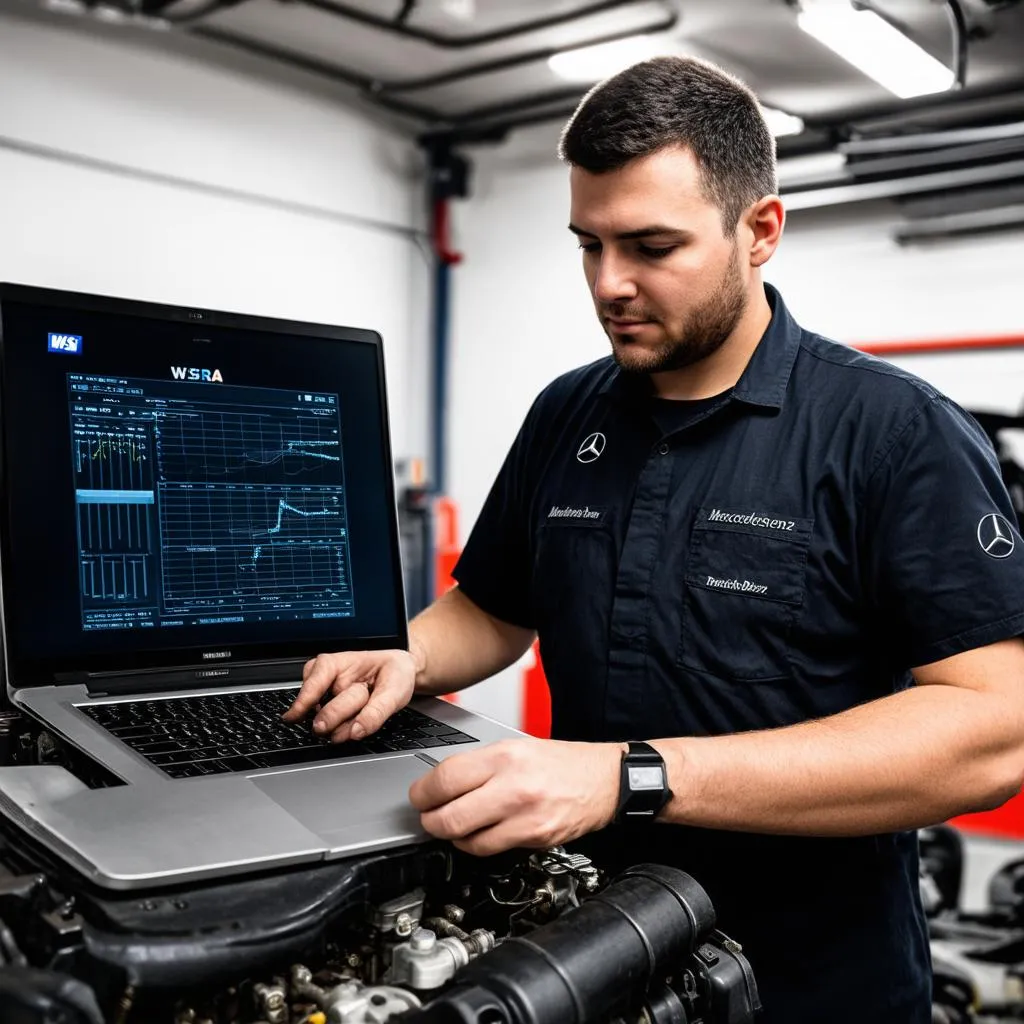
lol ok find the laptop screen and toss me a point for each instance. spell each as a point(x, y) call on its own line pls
point(181, 486)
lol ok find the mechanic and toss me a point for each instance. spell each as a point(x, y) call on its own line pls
point(787, 566)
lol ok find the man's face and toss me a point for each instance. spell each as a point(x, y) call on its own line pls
point(669, 287)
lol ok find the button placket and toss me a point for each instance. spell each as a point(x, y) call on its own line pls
point(628, 631)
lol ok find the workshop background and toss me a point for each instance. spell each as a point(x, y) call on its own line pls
point(391, 165)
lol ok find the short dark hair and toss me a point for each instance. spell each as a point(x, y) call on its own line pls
point(678, 101)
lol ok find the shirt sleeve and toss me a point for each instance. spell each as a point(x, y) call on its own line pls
point(495, 567)
point(945, 557)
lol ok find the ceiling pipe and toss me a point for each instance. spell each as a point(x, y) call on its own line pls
point(842, 193)
point(463, 42)
point(961, 34)
point(534, 56)
point(898, 112)
point(950, 156)
point(333, 72)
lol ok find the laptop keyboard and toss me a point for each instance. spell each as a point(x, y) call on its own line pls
point(187, 737)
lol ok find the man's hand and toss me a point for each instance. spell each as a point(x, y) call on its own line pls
point(531, 793)
point(363, 689)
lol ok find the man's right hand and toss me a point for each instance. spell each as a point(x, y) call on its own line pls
point(358, 691)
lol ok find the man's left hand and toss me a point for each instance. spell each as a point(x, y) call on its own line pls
point(520, 793)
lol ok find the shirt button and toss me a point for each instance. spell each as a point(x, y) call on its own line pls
point(663, 449)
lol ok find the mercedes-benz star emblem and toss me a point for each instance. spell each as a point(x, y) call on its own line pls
point(592, 447)
point(995, 535)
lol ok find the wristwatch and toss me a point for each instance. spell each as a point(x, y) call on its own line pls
point(643, 785)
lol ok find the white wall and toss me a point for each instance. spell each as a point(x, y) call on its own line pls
point(522, 314)
point(151, 174)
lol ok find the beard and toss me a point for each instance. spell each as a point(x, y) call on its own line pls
point(705, 330)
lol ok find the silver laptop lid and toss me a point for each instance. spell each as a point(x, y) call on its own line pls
point(188, 495)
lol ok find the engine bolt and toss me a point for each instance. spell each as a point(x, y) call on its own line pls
point(403, 926)
point(453, 913)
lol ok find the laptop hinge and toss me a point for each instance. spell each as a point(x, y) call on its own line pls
point(192, 677)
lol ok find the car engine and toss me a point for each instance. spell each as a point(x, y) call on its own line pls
point(420, 935)
point(428, 935)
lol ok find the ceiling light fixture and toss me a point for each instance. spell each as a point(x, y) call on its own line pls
point(873, 46)
point(781, 123)
point(589, 64)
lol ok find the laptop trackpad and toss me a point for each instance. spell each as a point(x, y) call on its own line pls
point(352, 805)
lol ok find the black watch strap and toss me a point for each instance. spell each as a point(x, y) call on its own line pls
point(643, 784)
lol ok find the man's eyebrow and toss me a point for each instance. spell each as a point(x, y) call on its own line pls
point(647, 232)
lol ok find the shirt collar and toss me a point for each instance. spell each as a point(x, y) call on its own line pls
point(766, 377)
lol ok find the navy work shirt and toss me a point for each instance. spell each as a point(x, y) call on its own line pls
point(783, 552)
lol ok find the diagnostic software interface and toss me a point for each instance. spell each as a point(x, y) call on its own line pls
point(199, 505)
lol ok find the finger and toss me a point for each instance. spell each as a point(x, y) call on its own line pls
point(489, 841)
point(460, 818)
point(341, 708)
point(391, 691)
point(317, 675)
point(326, 669)
point(453, 777)
point(343, 733)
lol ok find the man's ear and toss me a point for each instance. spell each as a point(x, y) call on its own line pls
point(764, 220)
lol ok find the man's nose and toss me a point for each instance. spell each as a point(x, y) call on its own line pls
point(613, 281)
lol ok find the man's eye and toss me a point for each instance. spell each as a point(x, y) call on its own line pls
point(657, 253)
point(590, 246)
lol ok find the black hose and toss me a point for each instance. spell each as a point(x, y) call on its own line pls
point(592, 963)
point(30, 996)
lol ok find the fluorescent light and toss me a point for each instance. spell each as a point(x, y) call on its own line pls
point(593, 63)
point(874, 47)
point(781, 123)
point(460, 10)
point(65, 6)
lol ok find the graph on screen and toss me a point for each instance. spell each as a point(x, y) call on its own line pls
point(230, 546)
point(257, 447)
point(200, 504)
point(114, 490)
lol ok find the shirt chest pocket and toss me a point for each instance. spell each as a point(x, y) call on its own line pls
point(572, 586)
point(744, 585)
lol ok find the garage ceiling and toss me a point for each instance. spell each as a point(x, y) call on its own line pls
point(471, 70)
point(471, 63)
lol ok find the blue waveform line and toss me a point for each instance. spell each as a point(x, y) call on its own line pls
point(268, 458)
point(282, 507)
point(299, 448)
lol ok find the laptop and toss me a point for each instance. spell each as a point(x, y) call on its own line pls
point(192, 504)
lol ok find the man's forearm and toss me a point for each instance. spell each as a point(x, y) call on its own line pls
point(455, 644)
point(912, 759)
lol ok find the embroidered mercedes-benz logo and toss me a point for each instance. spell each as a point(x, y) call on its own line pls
point(592, 448)
point(995, 535)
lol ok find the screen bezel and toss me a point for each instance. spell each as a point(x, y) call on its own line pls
point(23, 671)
